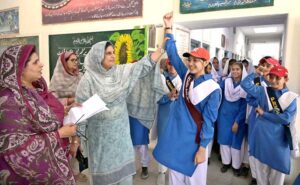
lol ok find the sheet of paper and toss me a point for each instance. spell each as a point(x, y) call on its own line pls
point(88, 109)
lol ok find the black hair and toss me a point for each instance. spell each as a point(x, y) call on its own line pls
point(240, 64)
point(108, 44)
point(267, 57)
point(205, 69)
point(26, 62)
point(231, 61)
point(245, 61)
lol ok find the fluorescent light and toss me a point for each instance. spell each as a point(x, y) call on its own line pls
point(265, 30)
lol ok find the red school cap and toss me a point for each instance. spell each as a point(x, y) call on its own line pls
point(198, 53)
point(279, 71)
point(270, 60)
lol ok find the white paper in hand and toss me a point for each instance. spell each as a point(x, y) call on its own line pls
point(89, 108)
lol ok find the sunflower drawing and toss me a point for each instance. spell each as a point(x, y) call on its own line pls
point(123, 49)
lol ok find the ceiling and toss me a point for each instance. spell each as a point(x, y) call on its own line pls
point(245, 24)
point(235, 22)
point(251, 34)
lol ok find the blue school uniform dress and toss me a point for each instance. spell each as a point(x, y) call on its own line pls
point(253, 102)
point(268, 142)
point(230, 112)
point(176, 148)
point(138, 132)
point(164, 107)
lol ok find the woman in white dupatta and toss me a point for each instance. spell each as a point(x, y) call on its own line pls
point(110, 149)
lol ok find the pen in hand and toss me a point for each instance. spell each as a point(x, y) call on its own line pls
point(79, 119)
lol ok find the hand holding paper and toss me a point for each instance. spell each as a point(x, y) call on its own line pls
point(88, 109)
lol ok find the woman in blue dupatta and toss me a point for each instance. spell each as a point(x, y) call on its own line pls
point(110, 149)
point(30, 123)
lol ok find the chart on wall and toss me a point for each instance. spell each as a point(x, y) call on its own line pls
point(129, 45)
point(6, 42)
point(191, 6)
point(58, 11)
point(9, 21)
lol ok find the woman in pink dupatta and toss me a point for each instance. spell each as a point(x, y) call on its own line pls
point(30, 130)
point(66, 77)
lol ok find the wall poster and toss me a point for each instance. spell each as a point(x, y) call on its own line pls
point(58, 11)
point(129, 45)
point(191, 6)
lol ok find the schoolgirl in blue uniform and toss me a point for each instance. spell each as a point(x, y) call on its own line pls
point(269, 139)
point(264, 66)
point(183, 146)
point(231, 119)
point(172, 83)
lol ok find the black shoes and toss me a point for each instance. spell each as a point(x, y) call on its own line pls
point(225, 167)
point(144, 173)
point(244, 171)
point(253, 181)
point(236, 172)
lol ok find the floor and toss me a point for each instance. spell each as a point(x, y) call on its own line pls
point(215, 177)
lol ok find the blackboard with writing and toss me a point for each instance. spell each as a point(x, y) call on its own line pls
point(191, 6)
point(129, 45)
point(6, 42)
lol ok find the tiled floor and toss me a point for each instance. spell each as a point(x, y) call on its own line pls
point(215, 177)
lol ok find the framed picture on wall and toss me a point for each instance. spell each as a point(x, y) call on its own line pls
point(223, 40)
point(9, 21)
point(152, 36)
point(6, 42)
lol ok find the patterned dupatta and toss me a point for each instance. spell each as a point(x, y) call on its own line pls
point(64, 82)
point(30, 148)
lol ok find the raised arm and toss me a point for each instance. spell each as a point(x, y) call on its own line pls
point(252, 89)
point(171, 47)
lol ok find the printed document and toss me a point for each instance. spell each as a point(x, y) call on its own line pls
point(88, 109)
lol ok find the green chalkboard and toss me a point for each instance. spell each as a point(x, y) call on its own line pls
point(130, 45)
point(6, 42)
